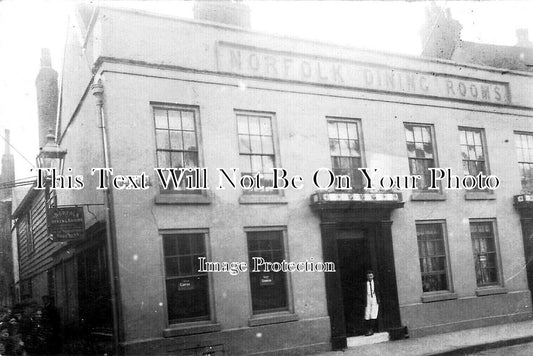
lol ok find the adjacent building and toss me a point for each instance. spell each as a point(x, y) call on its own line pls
point(7, 177)
point(140, 91)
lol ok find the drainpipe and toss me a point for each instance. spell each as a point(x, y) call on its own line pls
point(112, 256)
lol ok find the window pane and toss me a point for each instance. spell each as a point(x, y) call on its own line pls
point(244, 144)
point(161, 137)
point(253, 121)
point(245, 164)
point(176, 141)
point(332, 129)
point(187, 119)
point(266, 129)
point(174, 119)
point(255, 144)
point(190, 159)
point(189, 141)
point(163, 159)
point(242, 124)
point(160, 117)
point(267, 146)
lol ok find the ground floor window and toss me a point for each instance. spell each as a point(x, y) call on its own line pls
point(485, 252)
point(433, 256)
point(269, 289)
point(187, 289)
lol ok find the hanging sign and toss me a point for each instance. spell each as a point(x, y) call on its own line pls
point(66, 223)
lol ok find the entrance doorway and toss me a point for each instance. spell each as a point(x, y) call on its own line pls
point(355, 258)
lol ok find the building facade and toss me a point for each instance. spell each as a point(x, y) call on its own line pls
point(193, 93)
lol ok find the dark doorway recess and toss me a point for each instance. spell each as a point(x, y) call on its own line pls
point(357, 236)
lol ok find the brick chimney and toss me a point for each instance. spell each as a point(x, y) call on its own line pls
point(522, 38)
point(233, 13)
point(440, 34)
point(47, 96)
point(8, 168)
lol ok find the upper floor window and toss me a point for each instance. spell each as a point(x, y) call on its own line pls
point(433, 256)
point(421, 152)
point(485, 252)
point(473, 151)
point(187, 289)
point(256, 148)
point(524, 151)
point(345, 149)
point(176, 140)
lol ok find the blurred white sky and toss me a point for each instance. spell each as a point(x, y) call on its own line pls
point(27, 26)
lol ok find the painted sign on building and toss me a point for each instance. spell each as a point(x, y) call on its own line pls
point(66, 223)
point(287, 66)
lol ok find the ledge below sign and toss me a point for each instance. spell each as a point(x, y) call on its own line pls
point(66, 223)
point(361, 200)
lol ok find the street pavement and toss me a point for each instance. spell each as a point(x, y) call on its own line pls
point(516, 350)
point(464, 342)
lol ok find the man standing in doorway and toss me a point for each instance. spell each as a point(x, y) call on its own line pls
point(372, 303)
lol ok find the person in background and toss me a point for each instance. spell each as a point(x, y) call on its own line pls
point(372, 303)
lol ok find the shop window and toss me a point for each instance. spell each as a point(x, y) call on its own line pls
point(177, 141)
point(346, 149)
point(269, 289)
point(485, 251)
point(256, 148)
point(187, 289)
point(473, 151)
point(433, 256)
point(524, 151)
point(421, 152)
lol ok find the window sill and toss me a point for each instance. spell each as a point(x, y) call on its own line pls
point(438, 297)
point(480, 195)
point(267, 319)
point(425, 196)
point(190, 329)
point(182, 199)
point(262, 199)
point(481, 292)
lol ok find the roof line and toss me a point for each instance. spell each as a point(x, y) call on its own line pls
point(307, 40)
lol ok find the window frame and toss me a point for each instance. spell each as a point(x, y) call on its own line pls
point(359, 127)
point(423, 192)
point(251, 194)
point(483, 146)
point(529, 134)
point(188, 322)
point(498, 264)
point(448, 270)
point(288, 279)
point(165, 194)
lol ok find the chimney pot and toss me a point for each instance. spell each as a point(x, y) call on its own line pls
point(522, 37)
point(46, 59)
point(234, 13)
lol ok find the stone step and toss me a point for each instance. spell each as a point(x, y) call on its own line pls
point(356, 341)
